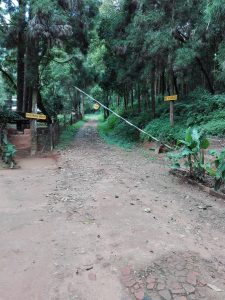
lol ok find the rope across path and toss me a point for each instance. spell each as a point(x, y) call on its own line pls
point(120, 117)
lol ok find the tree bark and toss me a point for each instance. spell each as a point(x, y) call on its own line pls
point(33, 124)
point(132, 98)
point(163, 83)
point(139, 98)
point(174, 78)
point(20, 55)
point(209, 82)
point(118, 100)
point(153, 91)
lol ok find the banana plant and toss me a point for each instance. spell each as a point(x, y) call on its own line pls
point(8, 151)
point(217, 168)
point(193, 152)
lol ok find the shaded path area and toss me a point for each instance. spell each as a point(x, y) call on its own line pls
point(107, 224)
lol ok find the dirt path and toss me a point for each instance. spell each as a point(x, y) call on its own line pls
point(107, 224)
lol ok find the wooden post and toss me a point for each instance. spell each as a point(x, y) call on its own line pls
point(82, 106)
point(171, 99)
point(33, 125)
point(172, 113)
point(51, 136)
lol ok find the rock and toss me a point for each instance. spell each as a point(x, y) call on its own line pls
point(151, 285)
point(126, 271)
point(148, 210)
point(188, 288)
point(139, 295)
point(92, 276)
point(151, 279)
point(192, 278)
point(165, 294)
point(214, 288)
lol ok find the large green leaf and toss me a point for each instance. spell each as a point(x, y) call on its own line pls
point(213, 152)
point(218, 184)
point(204, 144)
point(188, 136)
point(195, 135)
point(186, 152)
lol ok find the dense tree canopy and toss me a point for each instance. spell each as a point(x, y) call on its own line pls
point(43, 43)
point(125, 51)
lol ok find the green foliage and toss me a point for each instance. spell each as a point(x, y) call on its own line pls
point(184, 57)
point(7, 116)
point(117, 131)
point(8, 151)
point(192, 151)
point(160, 128)
point(217, 168)
point(67, 134)
point(96, 117)
point(3, 95)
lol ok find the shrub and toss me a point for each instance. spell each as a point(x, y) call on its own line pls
point(192, 151)
point(160, 128)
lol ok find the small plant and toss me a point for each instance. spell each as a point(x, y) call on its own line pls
point(193, 152)
point(8, 152)
point(217, 171)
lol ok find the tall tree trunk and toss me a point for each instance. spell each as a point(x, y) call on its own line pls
point(174, 78)
point(209, 82)
point(118, 100)
point(153, 91)
point(125, 98)
point(139, 98)
point(33, 124)
point(20, 54)
point(132, 98)
point(106, 112)
point(163, 87)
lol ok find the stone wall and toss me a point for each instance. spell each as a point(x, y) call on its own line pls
point(21, 140)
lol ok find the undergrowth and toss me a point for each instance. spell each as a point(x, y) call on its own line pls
point(118, 132)
point(199, 109)
point(68, 133)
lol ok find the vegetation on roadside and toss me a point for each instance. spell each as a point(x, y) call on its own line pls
point(128, 54)
point(200, 109)
point(7, 150)
point(191, 154)
point(67, 134)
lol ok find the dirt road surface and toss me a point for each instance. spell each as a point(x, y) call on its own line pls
point(103, 223)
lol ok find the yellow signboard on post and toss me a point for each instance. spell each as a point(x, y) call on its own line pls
point(170, 98)
point(96, 106)
point(35, 116)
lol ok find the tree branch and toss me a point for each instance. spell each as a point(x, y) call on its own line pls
point(8, 77)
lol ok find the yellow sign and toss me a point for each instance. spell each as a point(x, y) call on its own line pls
point(36, 116)
point(96, 106)
point(170, 98)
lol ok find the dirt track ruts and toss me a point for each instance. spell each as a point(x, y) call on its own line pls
point(107, 224)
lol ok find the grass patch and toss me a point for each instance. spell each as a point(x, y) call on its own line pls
point(68, 134)
point(117, 136)
point(93, 117)
point(199, 109)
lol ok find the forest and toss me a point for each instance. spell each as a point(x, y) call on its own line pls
point(112, 149)
point(128, 54)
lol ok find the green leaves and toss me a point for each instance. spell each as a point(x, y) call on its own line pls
point(216, 169)
point(8, 116)
point(193, 152)
point(204, 144)
point(8, 151)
